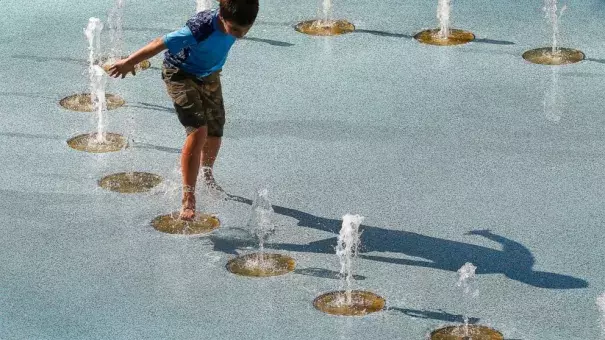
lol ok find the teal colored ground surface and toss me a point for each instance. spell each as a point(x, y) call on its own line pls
point(427, 143)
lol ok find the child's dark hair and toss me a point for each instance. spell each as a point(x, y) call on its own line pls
point(241, 12)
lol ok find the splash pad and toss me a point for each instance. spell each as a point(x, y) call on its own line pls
point(455, 37)
point(171, 224)
point(82, 102)
point(325, 27)
point(98, 143)
point(560, 56)
point(261, 265)
point(130, 182)
point(357, 304)
point(468, 332)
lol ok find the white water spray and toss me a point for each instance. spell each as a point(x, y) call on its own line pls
point(260, 220)
point(553, 16)
point(466, 280)
point(116, 32)
point(100, 103)
point(93, 35)
point(97, 81)
point(443, 15)
point(346, 250)
point(327, 10)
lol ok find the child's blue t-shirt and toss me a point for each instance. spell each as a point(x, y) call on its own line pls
point(200, 47)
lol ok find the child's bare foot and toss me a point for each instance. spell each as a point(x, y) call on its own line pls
point(188, 209)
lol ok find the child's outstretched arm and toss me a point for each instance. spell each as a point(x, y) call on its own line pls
point(125, 66)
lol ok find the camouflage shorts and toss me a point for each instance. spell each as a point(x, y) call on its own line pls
point(197, 102)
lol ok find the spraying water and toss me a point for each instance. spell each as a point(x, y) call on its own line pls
point(601, 305)
point(116, 38)
point(327, 10)
point(97, 81)
point(466, 280)
point(444, 35)
point(261, 264)
point(553, 16)
point(346, 250)
point(260, 217)
point(325, 25)
point(93, 35)
point(203, 5)
point(116, 33)
point(443, 15)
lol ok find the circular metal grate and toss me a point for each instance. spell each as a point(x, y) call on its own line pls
point(325, 27)
point(261, 265)
point(456, 37)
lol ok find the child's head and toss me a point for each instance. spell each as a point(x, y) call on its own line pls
point(238, 15)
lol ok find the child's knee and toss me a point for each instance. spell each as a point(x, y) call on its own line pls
point(196, 137)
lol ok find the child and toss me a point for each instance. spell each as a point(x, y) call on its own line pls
point(192, 65)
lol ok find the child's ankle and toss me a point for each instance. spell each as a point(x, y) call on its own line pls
point(207, 173)
point(188, 200)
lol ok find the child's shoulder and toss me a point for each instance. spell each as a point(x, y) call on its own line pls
point(201, 24)
point(203, 18)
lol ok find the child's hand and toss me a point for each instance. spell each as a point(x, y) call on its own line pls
point(479, 232)
point(121, 68)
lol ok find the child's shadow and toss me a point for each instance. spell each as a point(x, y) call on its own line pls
point(515, 261)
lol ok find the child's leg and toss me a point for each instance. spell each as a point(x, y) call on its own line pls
point(191, 155)
point(212, 98)
point(185, 94)
point(211, 148)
